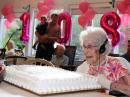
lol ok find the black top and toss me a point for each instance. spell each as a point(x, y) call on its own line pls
point(42, 28)
point(126, 56)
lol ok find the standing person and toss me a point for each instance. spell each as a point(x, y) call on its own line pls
point(41, 30)
point(127, 54)
point(45, 48)
point(113, 73)
point(54, 29)
point(59, 59)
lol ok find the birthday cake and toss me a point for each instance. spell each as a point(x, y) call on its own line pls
point(49, 80)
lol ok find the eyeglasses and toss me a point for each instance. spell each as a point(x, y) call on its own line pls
point(89, 46)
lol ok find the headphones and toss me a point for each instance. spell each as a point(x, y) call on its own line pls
point(102, 47)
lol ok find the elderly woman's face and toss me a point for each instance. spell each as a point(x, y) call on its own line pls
point(60, 51)
point(91, 51)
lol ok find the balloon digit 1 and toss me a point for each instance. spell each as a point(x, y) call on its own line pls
point(110, 23)
point(25, 18)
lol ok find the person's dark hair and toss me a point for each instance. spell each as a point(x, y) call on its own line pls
point(43, 17)
point(128, 40)
point(42, 28)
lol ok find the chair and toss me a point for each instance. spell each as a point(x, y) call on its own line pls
point(35, 61)
point(70, 52)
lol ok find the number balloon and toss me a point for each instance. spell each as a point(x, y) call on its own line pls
point(25, 18)
point(68, 23)
point(110, 22)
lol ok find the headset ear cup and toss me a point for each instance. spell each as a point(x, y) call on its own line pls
point(102, 49)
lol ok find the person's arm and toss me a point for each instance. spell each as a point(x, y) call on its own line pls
point(123, 87)
point(83, 68)
point(47, 39)
point(38, 36)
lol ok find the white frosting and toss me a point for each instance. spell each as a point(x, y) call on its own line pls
point(48, 80)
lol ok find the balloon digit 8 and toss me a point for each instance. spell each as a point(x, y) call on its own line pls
point(110, 22)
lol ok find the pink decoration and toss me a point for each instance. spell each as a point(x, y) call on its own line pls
point(83, 6)
point(110, 22)
point(82, 20)
point(44, 9)
point(39, 5)
point(49, 3)
point(25, 18)
point(39, 14)
point(90, 13)
point(123, 6)
point(7, 9)
point(10, 17)
point(68, 24)
point(125, 20)
point(7, 24)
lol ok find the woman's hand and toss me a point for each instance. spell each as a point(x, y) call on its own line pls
point(127, 79)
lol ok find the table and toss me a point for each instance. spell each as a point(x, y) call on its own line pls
point(8, 90)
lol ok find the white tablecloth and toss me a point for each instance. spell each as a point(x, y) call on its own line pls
point(8, 90)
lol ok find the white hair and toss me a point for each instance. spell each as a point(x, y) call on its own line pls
point(57, 44)
point(98, 37)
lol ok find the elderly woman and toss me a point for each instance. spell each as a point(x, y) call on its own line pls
point(10, 48)
point(59, 59)
point(112, 72)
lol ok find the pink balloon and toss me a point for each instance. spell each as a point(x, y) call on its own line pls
point(44, 9)
point(83, 6)
point(10, 17)
point(123, 6)
point(68, 26)
point(50, 3)
point(25, 18)
point(39, 14)
point(111, 28)
point(7, 24)
point(82, 20)
point(125, 20)
point(39, 5)
point(90, 13)
point(128, 10)
point(7, 9)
